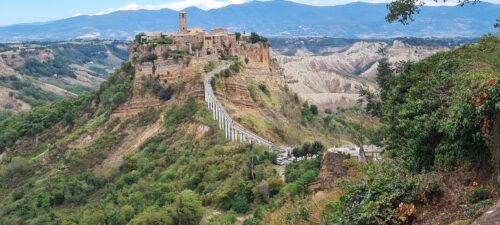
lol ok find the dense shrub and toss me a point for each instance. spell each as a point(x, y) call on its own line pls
point(4, 115)
point(177, 115)
point(138, 38)
point(147, 117)
point(473, 212)
point(27, 91)
point(307, 115)
point(57, 66)
point(264, 89)
point(162, 40)
point(40, 118)
point(148, 58)
point(435, 109)
point(166, 93)
point(188, 209)
point(299, 174)
point(235, 67)
point(314, 109)
point(237, 199)
point(17, 165)
point(117, 89)
point(478, 194)
point(374, 200)
point(175, 55)
point(255, 38)
point(252, 221)
point(211, 65)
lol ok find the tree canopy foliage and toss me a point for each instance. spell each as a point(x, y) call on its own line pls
point(404, 10)
point(439, 111)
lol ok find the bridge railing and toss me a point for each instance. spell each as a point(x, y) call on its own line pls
point(236, 131)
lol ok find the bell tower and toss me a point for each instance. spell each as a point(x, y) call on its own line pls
point(183, 22)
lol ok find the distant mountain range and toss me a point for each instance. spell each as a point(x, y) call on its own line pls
point(271, 18)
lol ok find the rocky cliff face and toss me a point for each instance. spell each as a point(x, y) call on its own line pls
point(331, 81)
point(154, 68)
point(258, 67)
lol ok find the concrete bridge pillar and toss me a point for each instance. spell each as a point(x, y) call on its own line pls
point(231, 133)
point(214, 111)
point(233, 136)
point(221, 119)
point(225, 129)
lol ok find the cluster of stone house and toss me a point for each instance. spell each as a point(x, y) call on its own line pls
point(197, 41)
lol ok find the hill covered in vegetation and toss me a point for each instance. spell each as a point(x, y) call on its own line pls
point(441, 124)
point(69, 162)
point(40, 72)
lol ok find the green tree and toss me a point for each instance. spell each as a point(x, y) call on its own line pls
point(297, 152)
point(435, 109)
point(314, 109)
point(255, 38)
point(404, 10)
point(385, 76)
point(17, 165)
point(166, 93)
point(189, 210)
point(153, 215)
point(306, 149)
point(317, 147)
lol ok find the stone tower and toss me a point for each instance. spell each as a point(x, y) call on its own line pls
point(182, 22)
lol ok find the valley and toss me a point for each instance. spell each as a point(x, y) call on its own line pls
point(332, 80)
point(37, 73)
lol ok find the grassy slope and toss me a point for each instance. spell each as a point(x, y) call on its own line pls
point(282, 118)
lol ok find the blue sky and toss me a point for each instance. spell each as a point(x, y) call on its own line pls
point(27, 11)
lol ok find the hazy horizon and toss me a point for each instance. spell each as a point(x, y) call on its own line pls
point(32, 11)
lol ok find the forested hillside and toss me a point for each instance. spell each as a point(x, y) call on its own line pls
point(441, 130)
point(439, 125)
point(41, 72)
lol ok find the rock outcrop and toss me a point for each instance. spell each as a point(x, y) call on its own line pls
point(332, 169)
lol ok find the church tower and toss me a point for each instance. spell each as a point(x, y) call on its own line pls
point(182, 22)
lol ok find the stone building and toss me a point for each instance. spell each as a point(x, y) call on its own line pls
point(177, 58)
point(197, 41)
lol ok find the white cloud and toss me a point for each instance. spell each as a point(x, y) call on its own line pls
point(177, 5)
point(213, 4)
point(341, 2)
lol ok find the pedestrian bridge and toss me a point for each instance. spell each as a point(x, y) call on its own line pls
point(233, 131)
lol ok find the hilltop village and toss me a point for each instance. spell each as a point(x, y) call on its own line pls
point(179, 60)
point(169, 59)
